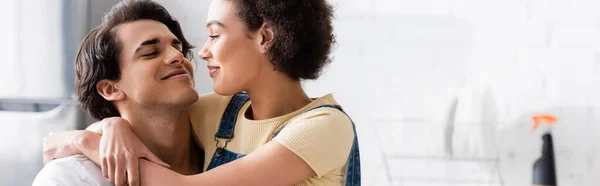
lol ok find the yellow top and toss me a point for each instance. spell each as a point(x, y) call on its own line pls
point(322, 137)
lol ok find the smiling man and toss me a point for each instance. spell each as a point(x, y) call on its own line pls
point(135, 65)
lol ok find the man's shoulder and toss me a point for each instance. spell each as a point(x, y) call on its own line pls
point(72, 170)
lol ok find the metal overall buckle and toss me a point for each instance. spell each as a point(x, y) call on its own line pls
point(220, 149)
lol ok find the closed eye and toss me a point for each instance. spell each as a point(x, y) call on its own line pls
point(149, 54)
point(213, 37)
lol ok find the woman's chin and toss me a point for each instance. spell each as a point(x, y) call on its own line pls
point(223, 91)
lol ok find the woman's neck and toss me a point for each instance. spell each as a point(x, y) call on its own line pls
point(274, 97)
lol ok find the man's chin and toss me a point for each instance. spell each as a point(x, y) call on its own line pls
point(171, 99)
point(193, 98)
point(189, 97)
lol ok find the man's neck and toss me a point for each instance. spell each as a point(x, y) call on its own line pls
point(167, 134)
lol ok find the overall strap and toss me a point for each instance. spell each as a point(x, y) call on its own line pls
point(227, 125)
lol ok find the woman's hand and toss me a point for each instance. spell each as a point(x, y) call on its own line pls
point(120, 150)
point(60, 145)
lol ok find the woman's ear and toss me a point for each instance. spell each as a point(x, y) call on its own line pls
point(109, 90)
point(267, 37)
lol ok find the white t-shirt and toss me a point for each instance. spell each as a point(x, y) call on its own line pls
point(73, 170)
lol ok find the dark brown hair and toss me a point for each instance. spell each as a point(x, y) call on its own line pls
point(98, 55)
point(303, 33)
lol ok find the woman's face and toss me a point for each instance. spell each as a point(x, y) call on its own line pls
point(233, 54)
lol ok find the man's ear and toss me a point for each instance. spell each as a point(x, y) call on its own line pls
point(267, 37)
point(109, 90)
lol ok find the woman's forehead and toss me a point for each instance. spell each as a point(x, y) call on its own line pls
point(220, 10)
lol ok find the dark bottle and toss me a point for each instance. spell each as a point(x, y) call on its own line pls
point(544, 171)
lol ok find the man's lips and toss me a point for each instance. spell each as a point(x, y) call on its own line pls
point(176, 73)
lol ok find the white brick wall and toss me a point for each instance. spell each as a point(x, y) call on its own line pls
point(501, 61)
point(443, 91)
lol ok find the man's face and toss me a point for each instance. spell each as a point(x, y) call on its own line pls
point(154, 71)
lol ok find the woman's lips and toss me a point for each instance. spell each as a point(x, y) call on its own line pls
point(213, 70)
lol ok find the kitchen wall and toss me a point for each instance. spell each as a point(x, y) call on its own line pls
point(443, 91)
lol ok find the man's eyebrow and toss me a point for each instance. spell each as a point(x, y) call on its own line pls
point(148, 42)
point(176, 41)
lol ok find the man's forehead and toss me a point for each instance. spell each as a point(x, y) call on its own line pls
point(136, 32)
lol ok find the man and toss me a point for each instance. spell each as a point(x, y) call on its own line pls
point(133, 66)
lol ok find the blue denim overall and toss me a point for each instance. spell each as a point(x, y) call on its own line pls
point(227, 126)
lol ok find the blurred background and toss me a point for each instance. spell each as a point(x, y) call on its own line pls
point(442, 91)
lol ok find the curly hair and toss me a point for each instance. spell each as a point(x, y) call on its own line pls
point(303, 33)
point(98, 54)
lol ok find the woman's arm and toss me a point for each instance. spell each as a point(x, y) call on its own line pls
point(87, 143)
point(95, 127)
point(60, 144)
point(272, 164)
point(276, 163)
point(118, 155)
point(152, 174)
point(314, 144)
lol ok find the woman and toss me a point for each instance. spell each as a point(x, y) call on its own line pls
point(260, 50)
